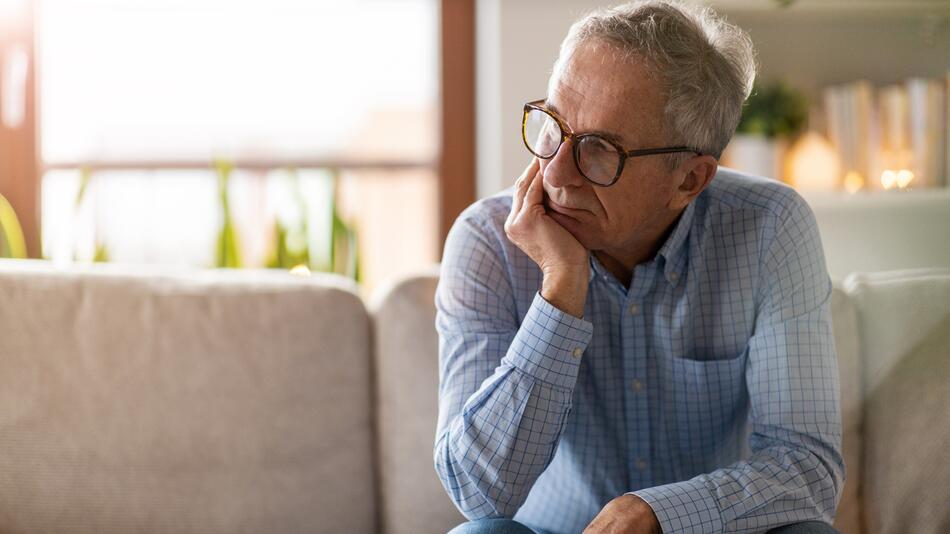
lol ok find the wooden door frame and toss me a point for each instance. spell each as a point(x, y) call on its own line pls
point(19, 150)
point(457, 125)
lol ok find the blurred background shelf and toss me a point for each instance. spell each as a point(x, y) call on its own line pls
point(883, 230)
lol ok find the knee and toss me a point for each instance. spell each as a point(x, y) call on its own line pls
point(492, 526)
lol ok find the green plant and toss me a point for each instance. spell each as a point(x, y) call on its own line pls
point(12, 241)
point(292, 243)
point(228, 254)
point(101, 252)
point(344, 253)
point(774, 111)
point(291, 247)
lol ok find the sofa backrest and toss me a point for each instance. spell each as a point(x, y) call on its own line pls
point(412, 500)
point(215, 402)
point(904, 327)
point(847, 346)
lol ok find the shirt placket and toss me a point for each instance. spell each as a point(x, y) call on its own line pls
point(636, 391)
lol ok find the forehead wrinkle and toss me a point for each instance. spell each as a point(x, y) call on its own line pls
point(623, 82)
point(576, 122)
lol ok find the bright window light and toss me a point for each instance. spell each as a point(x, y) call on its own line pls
point(161, 88)
point(199, 79)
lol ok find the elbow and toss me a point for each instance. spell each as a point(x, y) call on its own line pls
point(830, 458)
point(471, 500)
point(826, 483)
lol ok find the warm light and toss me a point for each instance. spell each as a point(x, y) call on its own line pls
point(904, 177)
point(899, 179)
point(300, 270)
point(812, 164)
point(888, 179)
point(853, 182)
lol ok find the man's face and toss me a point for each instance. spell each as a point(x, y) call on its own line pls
point(597, 91)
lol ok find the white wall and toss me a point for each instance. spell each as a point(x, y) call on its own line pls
point(517, 43)
point(813, 44)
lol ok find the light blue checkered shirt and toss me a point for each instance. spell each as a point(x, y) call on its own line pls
point(709, 387)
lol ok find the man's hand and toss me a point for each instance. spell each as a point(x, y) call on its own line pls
point(564, 262)
point(627, 514)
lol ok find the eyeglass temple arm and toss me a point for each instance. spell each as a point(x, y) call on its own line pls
point(667, 150)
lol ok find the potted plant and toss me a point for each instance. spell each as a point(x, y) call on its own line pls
point(771, 117)
point(12, 242)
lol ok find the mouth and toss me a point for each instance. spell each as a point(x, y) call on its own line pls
point(563, 210)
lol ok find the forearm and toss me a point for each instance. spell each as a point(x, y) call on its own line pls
point(490, 452)
point(776, 486)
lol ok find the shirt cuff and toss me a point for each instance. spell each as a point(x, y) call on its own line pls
point(549, 344)
point(683, 507)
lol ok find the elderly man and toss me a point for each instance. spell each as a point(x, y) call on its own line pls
point(618, 325)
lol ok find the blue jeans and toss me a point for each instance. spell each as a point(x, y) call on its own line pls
point(508, 526)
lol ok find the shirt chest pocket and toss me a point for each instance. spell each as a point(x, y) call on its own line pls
point(702, 408)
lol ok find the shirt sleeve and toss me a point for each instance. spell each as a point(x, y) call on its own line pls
point(796, 471)
point(505, 384)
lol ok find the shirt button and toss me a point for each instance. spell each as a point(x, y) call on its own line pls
point(674, 276)
point(634, 309)
point(641, 464)
point(637, 385)
point(577, 352)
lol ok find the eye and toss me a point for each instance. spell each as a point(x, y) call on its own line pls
point(596, 145)
point(597, 158)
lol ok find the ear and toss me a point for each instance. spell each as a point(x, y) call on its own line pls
point(693, 175)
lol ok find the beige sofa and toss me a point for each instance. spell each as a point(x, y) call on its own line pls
point(156, 401)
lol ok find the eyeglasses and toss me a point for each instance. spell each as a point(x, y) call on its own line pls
point(597, 158)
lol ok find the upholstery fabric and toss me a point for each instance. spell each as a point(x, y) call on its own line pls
point(904, 324)
point(407, 379)
point(154, 401)
point(213, 402)
point(844, 320)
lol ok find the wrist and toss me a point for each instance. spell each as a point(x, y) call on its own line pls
point(566, 290)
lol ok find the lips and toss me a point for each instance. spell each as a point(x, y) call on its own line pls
point(570, 212)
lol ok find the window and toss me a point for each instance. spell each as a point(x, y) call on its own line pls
point(141, 101)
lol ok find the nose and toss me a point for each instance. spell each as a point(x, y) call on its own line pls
point(560, 170)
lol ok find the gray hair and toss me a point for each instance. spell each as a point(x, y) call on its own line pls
point(704, 65)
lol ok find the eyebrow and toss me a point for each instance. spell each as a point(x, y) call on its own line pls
point(606, 135)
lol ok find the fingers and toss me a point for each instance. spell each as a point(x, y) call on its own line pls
point(521, 186)
point(535, 193)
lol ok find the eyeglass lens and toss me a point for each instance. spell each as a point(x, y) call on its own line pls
point(597, 159)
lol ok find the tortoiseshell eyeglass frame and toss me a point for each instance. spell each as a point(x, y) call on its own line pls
point(568, 133)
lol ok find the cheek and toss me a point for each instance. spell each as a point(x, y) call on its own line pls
point(623, 214)
point(617, 209)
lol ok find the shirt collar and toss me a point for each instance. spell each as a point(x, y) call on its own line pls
point(674, 250)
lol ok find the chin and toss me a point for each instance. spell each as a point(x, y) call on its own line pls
point(583, 233)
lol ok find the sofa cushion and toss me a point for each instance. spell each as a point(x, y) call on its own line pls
point(844, 319)
point(207, 402)
point(904, 325)
point(412, 499)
